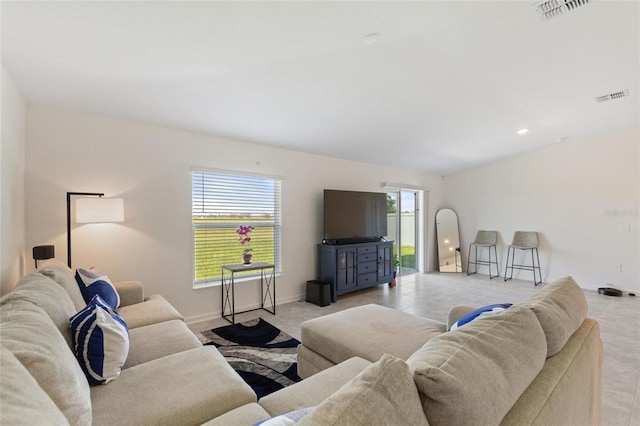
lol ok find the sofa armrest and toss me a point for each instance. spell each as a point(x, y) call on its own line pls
point(458, 312)
point(130, 292)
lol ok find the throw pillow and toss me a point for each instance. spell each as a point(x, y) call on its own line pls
point(561, 307)
point(61, 274)
point(484, 311)
point(28, 332)
point(383, 393)
point(92, 282)
point(498, 355)
point(101, 341)
point(23, 400)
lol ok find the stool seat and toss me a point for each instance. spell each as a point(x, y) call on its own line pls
point(484, 239)
point(524, 240)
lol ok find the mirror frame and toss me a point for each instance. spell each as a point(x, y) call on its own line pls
point(448, 240)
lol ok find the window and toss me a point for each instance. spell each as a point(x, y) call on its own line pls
point(220, 204)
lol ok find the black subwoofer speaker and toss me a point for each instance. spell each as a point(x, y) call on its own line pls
point(318, 293)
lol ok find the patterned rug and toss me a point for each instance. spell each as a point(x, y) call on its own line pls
point(263, 355)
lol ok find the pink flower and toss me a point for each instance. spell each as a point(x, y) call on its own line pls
point(244, 231)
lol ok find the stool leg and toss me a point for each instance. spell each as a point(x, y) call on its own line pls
point(506, 268)
point(497, 267)
point(475, 263)
point(534, 268)
point(490, 276)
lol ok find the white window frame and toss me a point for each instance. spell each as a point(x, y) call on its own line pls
point(226, 185)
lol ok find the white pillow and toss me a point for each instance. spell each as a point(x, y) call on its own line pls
point(101, 341)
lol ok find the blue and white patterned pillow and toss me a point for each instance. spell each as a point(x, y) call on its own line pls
point(92, 282)
point(484, 311)
point(101, 341)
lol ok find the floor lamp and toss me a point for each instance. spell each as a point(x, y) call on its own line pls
point(92, 208)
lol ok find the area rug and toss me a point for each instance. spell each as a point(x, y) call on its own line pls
point(263, 355)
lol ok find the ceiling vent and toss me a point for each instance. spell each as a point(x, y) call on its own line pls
point(553, 8)
point(612, 96)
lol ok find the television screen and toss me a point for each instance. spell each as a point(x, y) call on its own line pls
point(351, 216)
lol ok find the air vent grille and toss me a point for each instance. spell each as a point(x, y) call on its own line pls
point(553, 8)
point(612, 96)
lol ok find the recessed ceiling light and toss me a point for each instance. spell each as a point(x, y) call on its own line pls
point(371, 38)
point(522, 131)
point(563, 139)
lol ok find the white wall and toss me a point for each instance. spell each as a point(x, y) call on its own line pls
point(582, 197)
point(12, 201)
point(150, 167)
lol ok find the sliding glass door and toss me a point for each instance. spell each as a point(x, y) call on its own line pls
point(402, 208)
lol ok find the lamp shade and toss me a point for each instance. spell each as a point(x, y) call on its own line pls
point(99, 210)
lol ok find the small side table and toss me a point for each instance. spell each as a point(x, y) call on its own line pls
point(267, 288)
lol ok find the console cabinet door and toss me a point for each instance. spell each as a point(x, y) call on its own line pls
point(346, 268)
point(385, 263)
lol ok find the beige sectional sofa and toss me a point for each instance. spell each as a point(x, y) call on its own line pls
point(169, 378)
point(536, 363)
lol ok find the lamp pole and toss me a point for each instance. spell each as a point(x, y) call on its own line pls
point(69, 194)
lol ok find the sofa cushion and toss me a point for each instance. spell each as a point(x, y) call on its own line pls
point(60, 273)
point(500, 354)
point(384, 393)
point(187, 388)
point(101, 341)
point(23, 401)
point(28, 332)
point(357, 332)
point(94, 281)
point(42, 291)
point(315, 389)
point(483, 311)
point(153, 310)
point(248, 414)
point(154, 341)
point(560, 307)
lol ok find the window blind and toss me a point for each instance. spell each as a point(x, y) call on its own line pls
point(221, 203)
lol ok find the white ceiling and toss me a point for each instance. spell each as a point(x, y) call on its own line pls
point(444, 89)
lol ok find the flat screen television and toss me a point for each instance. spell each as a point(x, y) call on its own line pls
point(353, 217)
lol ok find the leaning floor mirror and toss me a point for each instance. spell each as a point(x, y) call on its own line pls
point(449, 259)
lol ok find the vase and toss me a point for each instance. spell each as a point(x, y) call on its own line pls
point(246, 258)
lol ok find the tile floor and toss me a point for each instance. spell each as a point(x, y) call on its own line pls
point(432, 295)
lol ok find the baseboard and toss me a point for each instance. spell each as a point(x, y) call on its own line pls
point(192, 320)
point(201, 318)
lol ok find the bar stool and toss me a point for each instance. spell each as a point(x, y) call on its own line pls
point(523, 240)
point(484, 239)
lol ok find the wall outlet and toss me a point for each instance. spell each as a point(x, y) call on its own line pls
point(625, 228)
point(617, 268)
